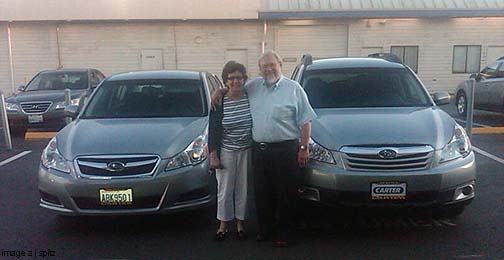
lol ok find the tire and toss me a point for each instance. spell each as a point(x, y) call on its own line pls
point(461, 103)
point(18, 131)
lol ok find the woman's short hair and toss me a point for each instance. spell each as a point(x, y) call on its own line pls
point(233, 66)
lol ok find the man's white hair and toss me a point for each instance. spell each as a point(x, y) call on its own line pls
point(272, 53)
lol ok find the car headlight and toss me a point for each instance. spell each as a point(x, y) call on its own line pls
point(51, 157)
point(319, 153)
point(459, 145)
point(194, 154)
point(11, 107)
point(61, 105)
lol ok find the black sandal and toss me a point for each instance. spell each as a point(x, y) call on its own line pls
point(220, 235)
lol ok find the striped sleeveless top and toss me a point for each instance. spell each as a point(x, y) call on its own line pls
point(236, 124)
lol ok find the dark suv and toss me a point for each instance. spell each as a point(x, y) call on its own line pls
point(41, 103)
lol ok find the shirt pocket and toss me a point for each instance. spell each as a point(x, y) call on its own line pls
point(283, 113)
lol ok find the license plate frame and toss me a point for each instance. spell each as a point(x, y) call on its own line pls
point(34, 119)
point(390, 190)
point(116, 197)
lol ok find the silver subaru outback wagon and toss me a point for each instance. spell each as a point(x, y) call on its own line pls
point(139, 145)
point(380, 140)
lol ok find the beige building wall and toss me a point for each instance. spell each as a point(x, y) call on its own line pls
point(46, 10)
point(435, 39)
point(5, 82)
point(114, 47)
point(34, 48)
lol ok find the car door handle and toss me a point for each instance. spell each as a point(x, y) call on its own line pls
point(486, 84)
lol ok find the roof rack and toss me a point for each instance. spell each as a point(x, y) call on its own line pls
point(307, 59)
point(386, 56)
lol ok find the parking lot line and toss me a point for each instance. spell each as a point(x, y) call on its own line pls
point(476, 124)
point(13, 158)
point(39, 135)
point(488, 130)
point(489, 155)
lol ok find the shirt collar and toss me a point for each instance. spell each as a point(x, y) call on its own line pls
point(276, 83)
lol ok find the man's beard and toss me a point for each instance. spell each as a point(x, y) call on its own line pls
point(271, 79)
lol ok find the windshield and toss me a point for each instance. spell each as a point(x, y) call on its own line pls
point(58, 80)
point(363, 87)
point(148, 98)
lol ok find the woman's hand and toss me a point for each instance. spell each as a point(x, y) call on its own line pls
point(214, 161)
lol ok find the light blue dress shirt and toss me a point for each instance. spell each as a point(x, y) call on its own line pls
point(278, 111)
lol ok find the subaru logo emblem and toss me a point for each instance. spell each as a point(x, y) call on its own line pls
point(387, 154)
point(116, 166)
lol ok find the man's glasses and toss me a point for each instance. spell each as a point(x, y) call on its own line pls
point(235, 78)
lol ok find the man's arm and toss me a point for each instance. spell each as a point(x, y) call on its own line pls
point(216, 99)
point(304, 150)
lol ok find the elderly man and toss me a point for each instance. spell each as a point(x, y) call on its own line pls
point(281, 116)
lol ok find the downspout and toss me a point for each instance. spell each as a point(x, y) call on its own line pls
point(175, 44)
point(58, 46)
point(11, 61)
point(265, 32)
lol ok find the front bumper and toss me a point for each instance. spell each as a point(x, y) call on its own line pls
point(437, 186)
point(54, 119)
point(180, 189)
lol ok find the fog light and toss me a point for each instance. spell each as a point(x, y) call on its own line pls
point(464, 192)
point(309, 193)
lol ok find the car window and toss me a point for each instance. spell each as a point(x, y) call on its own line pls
point(212, 84)
point(148, 98)
point(370, 87)
point(500, 71)
point(58, 80)
point(294, 73)
point(99, 75)
point(489, 72)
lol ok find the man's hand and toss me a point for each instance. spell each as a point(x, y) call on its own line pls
point(217, 98)
point(303, 157)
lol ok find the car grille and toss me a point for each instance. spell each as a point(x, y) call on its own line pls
point(35, 107)
point(117, 166)
point(387, 158)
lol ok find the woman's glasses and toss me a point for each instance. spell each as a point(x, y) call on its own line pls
point(235, 78)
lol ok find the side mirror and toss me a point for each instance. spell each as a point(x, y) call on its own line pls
point(473, 76)
point(71, 111)
point(441, 98)
point(21, 88)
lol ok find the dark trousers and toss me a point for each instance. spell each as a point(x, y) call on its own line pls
point(276, 181)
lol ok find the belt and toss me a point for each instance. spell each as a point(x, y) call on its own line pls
point(284, 144)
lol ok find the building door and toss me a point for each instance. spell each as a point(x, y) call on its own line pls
point(151, 59)
point(493, 53)
point(292, 41)
point(238, 55)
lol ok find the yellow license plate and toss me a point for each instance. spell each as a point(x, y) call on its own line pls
point(116, 197)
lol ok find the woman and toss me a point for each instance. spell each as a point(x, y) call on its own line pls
point(230, 150)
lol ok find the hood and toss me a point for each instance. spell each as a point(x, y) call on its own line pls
point(335, 128)
point(165, 137)
point(44, 95)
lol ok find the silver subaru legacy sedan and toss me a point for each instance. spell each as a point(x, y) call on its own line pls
point(380, 140)
point(138, 146)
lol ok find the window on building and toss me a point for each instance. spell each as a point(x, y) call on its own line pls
point(466, 58)
point(408, 55)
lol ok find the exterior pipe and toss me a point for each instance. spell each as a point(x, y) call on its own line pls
point(11, 60)
point(265, 31)
point(58, 46)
